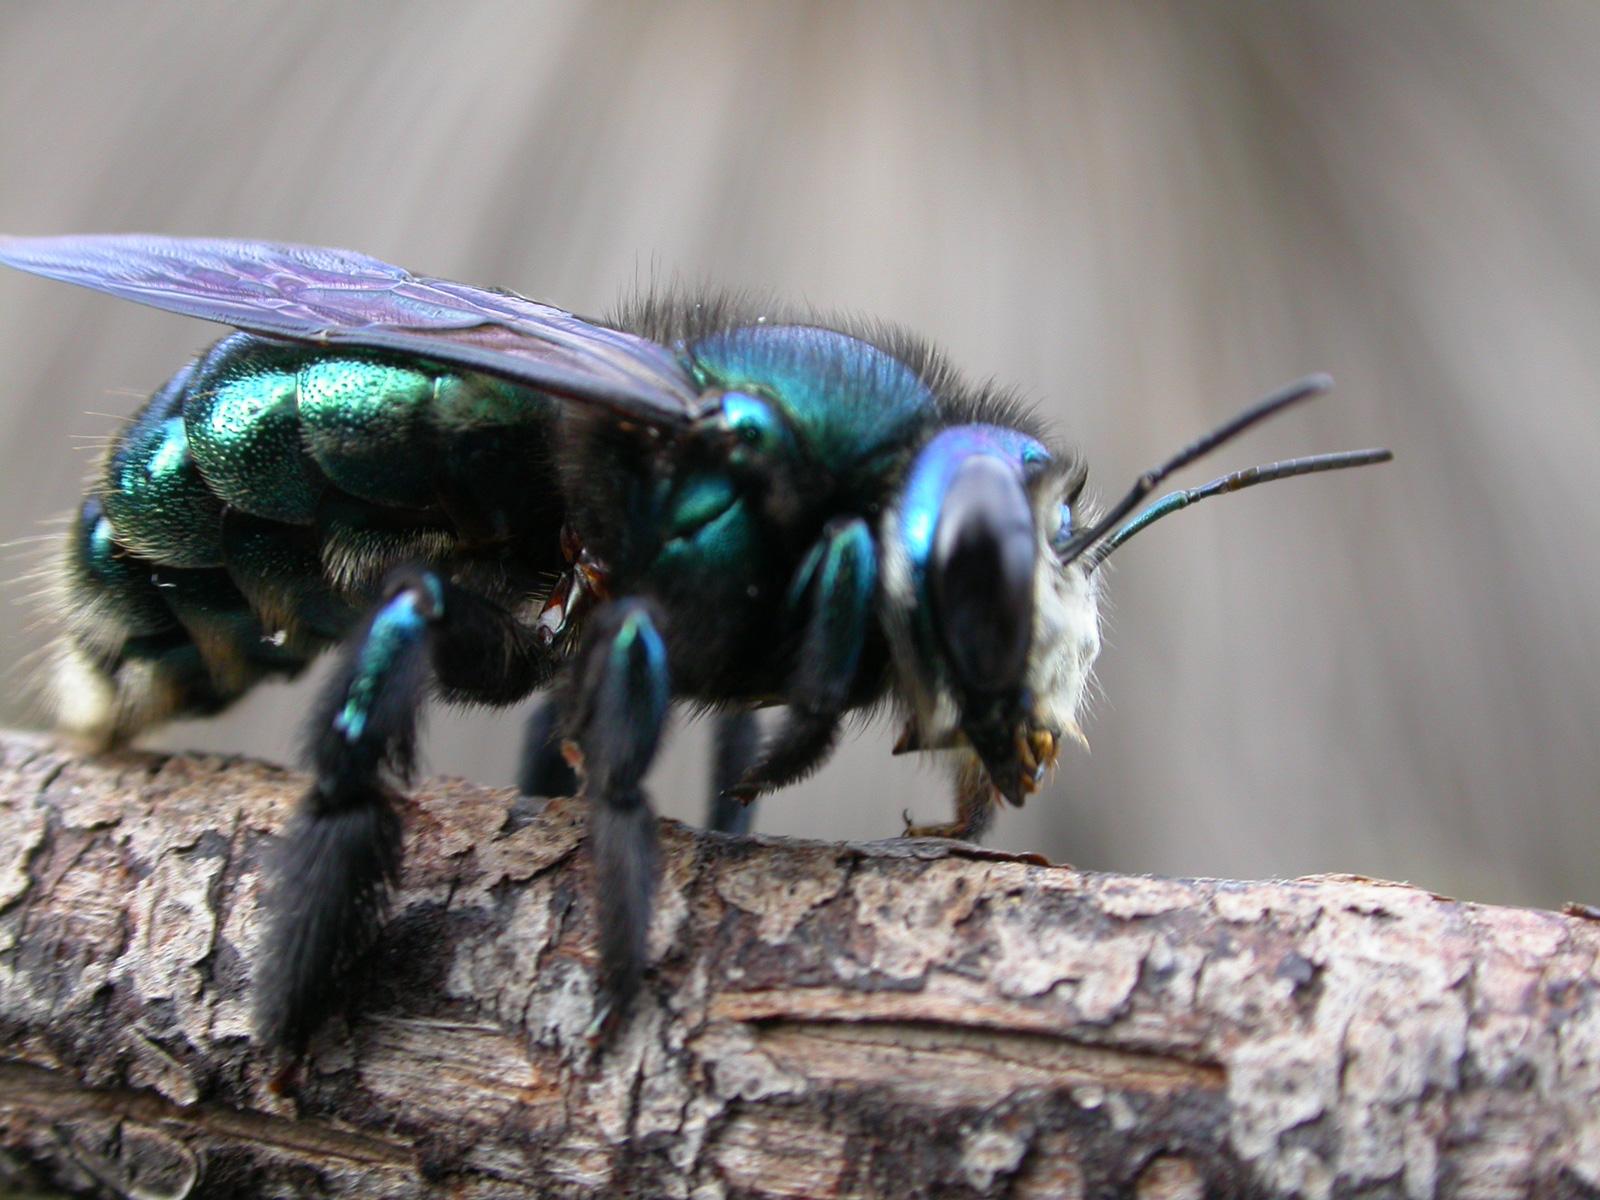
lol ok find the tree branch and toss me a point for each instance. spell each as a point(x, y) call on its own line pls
point(886, 1019)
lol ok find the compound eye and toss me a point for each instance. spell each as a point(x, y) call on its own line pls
point(1062, 533)
point(981, 577)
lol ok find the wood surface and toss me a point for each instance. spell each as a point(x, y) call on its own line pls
point(821, 1020)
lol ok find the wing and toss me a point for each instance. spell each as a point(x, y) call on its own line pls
point(339, 298)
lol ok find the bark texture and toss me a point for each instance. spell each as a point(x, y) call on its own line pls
point(822, 1020)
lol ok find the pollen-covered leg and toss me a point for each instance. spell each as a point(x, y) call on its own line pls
point(544, 771)
point(838, 580)
point(618, 707)
point(341, 856)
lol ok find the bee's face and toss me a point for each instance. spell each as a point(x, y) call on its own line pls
point(993, 637)
point(1066, 627)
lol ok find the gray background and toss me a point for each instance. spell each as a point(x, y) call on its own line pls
point(1143, 215)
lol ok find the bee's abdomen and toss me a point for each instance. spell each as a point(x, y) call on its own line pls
point(248, 511)
point(145, 641)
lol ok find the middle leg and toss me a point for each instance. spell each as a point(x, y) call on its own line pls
point(544, 770)
point(838, 582)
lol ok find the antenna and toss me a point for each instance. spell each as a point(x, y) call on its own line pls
point(1249, 477)
point(1303, 389)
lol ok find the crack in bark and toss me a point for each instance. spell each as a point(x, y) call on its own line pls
point(64, 1098)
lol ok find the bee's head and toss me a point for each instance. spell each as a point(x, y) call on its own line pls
point(993, 636)
point(992, 606)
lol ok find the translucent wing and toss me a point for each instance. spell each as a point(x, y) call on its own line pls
point(339, 298)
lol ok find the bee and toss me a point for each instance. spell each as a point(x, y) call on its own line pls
point(481, 497)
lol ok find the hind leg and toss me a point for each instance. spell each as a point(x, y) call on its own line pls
point(340, 858)
point(617, 709)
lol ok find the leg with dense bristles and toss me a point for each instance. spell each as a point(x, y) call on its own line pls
point(341, 856)
point(618, 706)
point(837, 581)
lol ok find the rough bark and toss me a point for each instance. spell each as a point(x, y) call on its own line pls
point(886, 1019)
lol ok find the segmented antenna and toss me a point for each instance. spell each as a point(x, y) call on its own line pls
point(1249, 477)
point(1302, 389)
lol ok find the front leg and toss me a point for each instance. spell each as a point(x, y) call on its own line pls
point(975, 805)
point(340, 857)
point(618, 707)
point(976, 795)
point(838, 581)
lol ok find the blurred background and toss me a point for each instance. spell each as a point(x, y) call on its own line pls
point(1143, 216)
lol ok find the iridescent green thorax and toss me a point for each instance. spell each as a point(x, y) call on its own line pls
point(847, 399)
point(710, 534)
